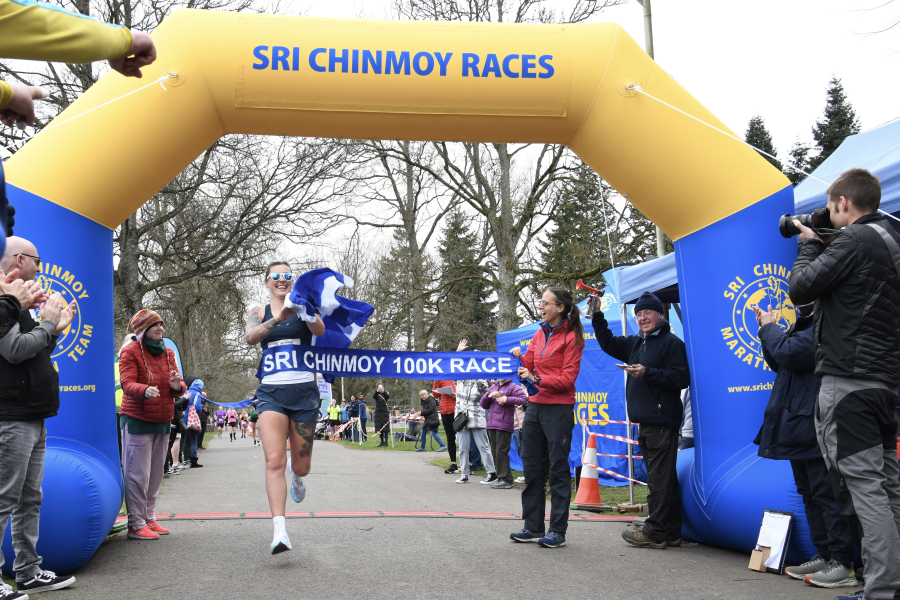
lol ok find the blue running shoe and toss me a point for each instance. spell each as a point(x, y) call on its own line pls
point(298, 488)
point(526, 535)
point(552, 540)
point(860, 595)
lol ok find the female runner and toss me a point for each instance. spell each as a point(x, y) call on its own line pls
point(231, 415)
point(254, 425)
point(288, 399)
point(220, 421)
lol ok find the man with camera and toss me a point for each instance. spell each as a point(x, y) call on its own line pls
point(853, 279)
point(788, 432)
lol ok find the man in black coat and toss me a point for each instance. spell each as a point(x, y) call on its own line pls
point(656, 362)
point(382, 415)
point(854, 279)
point(788, 432)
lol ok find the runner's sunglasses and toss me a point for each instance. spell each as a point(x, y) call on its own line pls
point(277, 276)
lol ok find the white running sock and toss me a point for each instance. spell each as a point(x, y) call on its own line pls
point(279, 526)
point(280, 539)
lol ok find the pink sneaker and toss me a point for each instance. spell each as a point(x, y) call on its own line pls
point(157, 528)
point(142, 534)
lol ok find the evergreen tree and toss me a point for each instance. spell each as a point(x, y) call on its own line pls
point(759, 137)
point(798, 159)
point(465, 309)
point(840, 121)
point(578, 242)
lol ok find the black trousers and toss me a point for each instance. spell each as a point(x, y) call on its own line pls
point(659, 447)
point(384, 430)
point(500, 442)
point(363, 432)
point(202, 433)
point(172, 435)
point(829, 530)
point(447, 420)
point(546, 441)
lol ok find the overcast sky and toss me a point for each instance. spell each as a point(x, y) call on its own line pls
point(772, 58)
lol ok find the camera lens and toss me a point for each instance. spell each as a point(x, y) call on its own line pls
point(786, 226)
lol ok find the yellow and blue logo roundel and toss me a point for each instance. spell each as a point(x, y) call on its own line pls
point(767, 288)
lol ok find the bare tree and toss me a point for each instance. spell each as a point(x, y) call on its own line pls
point(227, 211)
point(515, 205)
point(205, 318)
point(66, 82)
point(404, 199)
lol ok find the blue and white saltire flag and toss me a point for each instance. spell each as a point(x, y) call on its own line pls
point(315, 292)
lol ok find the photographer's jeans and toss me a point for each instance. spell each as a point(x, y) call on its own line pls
point(858, 435)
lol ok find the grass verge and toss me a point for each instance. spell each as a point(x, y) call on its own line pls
point(374, 439)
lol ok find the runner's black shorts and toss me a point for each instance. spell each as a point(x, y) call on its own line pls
point(300, 402)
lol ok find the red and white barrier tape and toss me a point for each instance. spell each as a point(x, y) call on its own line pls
point(589, 422)
point(347, 424)
point(607, 471)
point(619, 455)
point(613, 437)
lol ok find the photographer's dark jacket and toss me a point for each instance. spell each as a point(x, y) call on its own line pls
point(29, 385)
point(654, 399)
point(788, 431)
point(854, 285)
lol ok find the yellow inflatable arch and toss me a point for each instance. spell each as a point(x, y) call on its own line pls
point(405, 80)
point(473, 82)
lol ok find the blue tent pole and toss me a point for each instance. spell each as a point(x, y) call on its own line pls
point(624, 307)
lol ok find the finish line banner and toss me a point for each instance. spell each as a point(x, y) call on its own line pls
point(384, 363)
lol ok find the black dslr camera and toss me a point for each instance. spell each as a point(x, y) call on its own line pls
point(819, 221)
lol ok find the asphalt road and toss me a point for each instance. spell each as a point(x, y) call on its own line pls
point(384, 557)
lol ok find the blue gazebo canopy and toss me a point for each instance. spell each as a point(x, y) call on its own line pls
point(877, 150)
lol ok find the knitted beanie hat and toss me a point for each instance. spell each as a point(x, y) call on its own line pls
point(142, 321)
point(648, 301)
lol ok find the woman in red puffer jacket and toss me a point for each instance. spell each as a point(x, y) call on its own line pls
point(552, 362)
point(150, 382)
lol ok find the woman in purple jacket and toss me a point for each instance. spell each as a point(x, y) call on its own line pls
point(500, 403)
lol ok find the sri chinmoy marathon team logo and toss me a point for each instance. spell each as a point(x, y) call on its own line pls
point(75, 340)
point(768, 289)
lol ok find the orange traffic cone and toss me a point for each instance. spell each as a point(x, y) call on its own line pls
point(588, 495)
